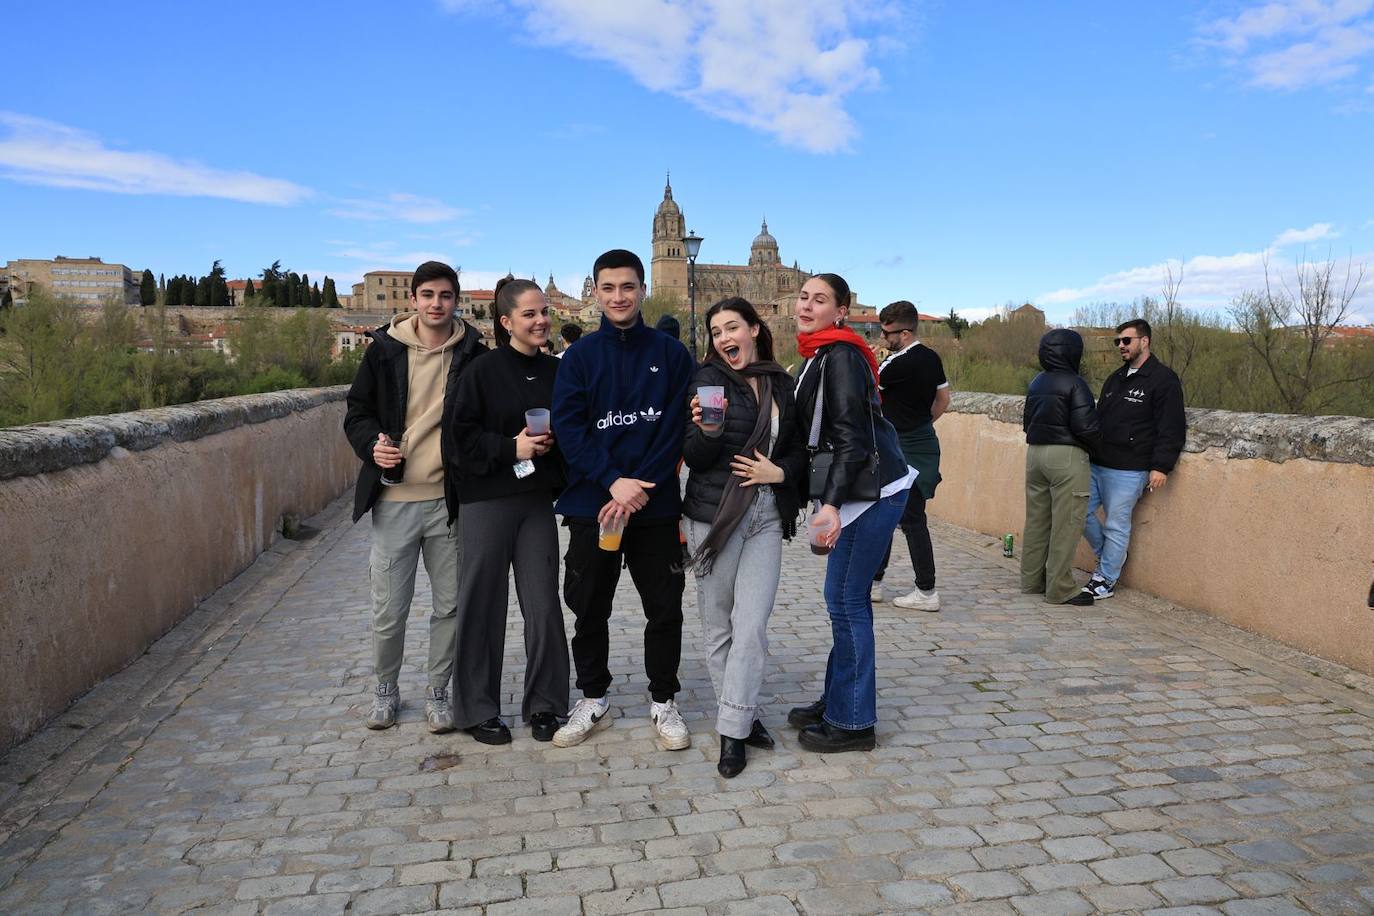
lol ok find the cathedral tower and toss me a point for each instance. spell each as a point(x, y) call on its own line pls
point(668, 268)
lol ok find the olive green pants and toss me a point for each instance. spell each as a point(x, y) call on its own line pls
point(1058, 481)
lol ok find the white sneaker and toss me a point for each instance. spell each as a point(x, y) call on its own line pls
point(587, 716)
point(877, 593)
point(672, 731)
point(919, 601)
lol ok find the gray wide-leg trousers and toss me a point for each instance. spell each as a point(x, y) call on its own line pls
point(497, 534)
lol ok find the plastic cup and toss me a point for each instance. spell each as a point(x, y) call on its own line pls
point(611, 532)
point(815, 532)
point(392, 476)
point(712, 401)
point(537, 421)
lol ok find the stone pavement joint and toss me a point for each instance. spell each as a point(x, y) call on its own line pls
point(1131, 757)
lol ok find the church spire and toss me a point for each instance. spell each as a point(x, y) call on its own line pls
point(668, 186)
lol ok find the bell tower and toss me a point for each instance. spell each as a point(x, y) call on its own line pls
point(668, 268)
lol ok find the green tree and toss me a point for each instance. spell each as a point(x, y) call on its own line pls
point(316, 298)
point(248, 291)
point(331, 295)
point(956, 325)
point(147, 289)
point(218, 286)
point(203, 292)
point(7, 300)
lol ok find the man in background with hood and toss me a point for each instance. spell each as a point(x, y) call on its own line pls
point(398, 421)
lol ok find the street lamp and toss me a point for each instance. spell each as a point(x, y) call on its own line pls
point(693, 243)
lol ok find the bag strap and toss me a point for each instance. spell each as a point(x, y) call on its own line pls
point(813, 442)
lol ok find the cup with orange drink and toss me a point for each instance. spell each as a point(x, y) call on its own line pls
point(611, 531)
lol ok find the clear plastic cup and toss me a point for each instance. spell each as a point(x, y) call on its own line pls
point(610, 534)
point(537, 421)
point(816, 532)
point(712, 401)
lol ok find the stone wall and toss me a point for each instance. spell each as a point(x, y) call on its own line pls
point(113, 528)
point(1266, 523)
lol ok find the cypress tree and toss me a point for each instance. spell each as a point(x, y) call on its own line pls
point(316, 300)
point(248, 291)
point(331, 295)
point(203, 292)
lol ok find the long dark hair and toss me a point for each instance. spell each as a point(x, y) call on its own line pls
point(508, 289)
point(844, 299)
point(763, 343)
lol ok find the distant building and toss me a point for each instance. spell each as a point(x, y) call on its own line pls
point(1029, 313)
point(236, 291)
point(384, 291)
point(769, 285)
point(87, 281)
point(350, 337)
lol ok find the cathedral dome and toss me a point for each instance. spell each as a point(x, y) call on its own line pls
point(764, 239)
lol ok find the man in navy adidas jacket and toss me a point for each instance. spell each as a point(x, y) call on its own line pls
point(619, 411)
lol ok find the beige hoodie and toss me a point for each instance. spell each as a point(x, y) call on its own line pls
point(427, 373)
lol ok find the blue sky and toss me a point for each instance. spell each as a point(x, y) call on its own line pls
point(959, 155)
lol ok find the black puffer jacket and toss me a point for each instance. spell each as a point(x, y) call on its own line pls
point(1059, 404)
point(708, 457)
point(851, 416)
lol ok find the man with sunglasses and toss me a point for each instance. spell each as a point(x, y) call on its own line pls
point(1143, 430)
point(915, 393)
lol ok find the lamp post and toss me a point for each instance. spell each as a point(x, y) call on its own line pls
point(693, 243)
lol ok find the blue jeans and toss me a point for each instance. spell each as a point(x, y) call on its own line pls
point(1117, 493)
point(851, 692)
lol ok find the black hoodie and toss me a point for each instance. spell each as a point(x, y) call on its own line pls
point(1059, 404)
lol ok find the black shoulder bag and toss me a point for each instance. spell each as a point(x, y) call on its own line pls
point(865, 486)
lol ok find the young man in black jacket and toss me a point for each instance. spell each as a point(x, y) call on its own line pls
point(398, 422)
point(1143, 430)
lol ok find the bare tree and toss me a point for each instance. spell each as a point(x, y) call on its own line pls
point(1290, 333)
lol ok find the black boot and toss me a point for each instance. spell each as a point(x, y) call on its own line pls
point(759, 737)
point(825, 738)
point(810, 714)
point(731, 757)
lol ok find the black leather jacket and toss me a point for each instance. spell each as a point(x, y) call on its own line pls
point(1059, 404)
point(709, 457)
point(850, 418)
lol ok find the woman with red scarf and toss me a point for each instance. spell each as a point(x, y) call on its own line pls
point(860, 497)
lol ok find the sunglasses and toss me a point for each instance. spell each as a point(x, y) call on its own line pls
point(895, 332)
point(1122, 341)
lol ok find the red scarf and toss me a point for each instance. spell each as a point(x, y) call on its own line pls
point(808, 344)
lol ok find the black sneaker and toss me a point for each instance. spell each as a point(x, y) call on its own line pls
point(1100, 588)
point(1082, 599)
point(810, 714)
point(543, 725)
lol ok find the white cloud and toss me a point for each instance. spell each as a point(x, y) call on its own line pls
point(399, 207)
point(1209, 281)
point(41, 152)
point(1292, 44)
point(1312, 233)
point(783, 67)
point(387, 255)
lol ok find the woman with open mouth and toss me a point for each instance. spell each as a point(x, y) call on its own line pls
point(742, 501)
point(509, 471)
point(860, 492)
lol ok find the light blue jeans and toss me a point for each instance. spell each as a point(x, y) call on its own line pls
point(735, 600)
point(1116, 492)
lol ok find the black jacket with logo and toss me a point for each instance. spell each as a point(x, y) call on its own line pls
point(1059, 404)
point(1143, 421)
point(377, 401)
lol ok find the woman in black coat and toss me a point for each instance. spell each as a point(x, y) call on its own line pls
point(742, 501)
point(1060, 423)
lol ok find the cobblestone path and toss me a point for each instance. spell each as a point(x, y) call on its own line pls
point(1031, 760)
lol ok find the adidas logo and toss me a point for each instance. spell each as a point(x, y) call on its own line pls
point(618, 419)
point(653, 368)
point(650, 415)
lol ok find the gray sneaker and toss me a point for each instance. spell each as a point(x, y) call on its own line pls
point(438, 713)
point(386, 702)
